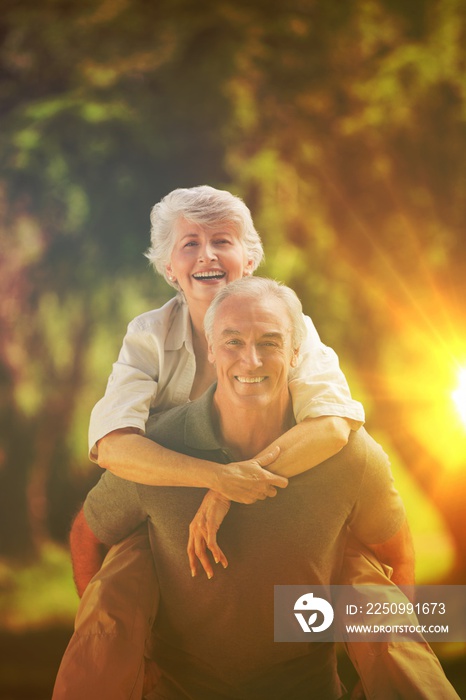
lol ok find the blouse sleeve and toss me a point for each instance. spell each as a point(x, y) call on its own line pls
point(131, 388)
point(318, 386)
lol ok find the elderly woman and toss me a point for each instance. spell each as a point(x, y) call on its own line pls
point(202, 239)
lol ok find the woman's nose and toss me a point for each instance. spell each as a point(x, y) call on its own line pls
point(207, 252)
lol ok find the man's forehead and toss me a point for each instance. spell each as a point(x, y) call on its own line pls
point(240, 313)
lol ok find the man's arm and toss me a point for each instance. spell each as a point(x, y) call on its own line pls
point(87, 552)
point(398, 552)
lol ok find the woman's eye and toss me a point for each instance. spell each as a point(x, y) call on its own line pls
point(190, 244)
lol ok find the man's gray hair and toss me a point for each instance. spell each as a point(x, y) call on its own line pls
point(202, 205)
point(260, 287)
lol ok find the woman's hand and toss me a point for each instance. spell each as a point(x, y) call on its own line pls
point(244, 482)
point(247, 481)
point(203, 533)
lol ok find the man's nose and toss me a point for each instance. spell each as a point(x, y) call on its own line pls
point(251, 357)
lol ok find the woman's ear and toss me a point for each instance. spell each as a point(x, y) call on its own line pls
point(248, 268)
point(295, 358)
point(170, 275)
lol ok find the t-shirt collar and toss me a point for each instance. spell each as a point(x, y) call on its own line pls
point(199, 432)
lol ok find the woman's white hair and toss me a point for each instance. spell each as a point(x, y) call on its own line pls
point(202, 205)
point(260, 287)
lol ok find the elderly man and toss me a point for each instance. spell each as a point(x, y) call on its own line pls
point(214, 638)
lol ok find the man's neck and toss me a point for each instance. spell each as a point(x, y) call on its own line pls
point(246, 432)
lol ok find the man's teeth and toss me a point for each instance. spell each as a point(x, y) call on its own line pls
point(250, 380)
point(209, 274)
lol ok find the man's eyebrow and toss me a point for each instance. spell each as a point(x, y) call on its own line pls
point(229, 331)
point(271, 334)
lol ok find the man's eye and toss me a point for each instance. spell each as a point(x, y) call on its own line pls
point(234, 341)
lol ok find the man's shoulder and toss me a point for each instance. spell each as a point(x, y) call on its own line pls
point(363, 448)
point(187, 428)
point(168, 428)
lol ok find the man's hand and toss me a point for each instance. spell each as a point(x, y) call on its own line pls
point(203, 533)
point(247, 481)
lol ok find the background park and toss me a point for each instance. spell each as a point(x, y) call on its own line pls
point(342, 124)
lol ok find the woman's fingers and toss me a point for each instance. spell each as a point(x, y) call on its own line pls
point(201, 553)
point(248, 482)
point(203, 534)
point(197, 550)
point(268, 459)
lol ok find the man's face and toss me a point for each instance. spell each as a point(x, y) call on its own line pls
point(252, 350)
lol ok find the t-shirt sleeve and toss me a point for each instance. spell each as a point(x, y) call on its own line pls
point(379, 511)
point(112, 509)
point(131, 388)
point(318, 386)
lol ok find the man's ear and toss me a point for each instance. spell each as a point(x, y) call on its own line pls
point(210, 353)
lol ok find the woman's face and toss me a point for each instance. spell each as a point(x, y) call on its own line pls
point(204, 260)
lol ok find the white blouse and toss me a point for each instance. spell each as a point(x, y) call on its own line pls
point(156, 367)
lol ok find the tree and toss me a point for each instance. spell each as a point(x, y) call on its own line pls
point(341, 124)
point(87, 147)
point(350, 140)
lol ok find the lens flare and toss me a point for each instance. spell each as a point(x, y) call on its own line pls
point(459, 395)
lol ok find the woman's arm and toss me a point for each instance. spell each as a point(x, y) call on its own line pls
point(318, 387)
point(136, 458)
point(302, 447)
point(308, 443)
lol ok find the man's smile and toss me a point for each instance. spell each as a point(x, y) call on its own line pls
point(250, 380)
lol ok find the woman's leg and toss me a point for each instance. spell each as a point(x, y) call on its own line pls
point(105, 656)
point(391, 670)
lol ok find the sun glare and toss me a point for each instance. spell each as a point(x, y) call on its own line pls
point(459, 395)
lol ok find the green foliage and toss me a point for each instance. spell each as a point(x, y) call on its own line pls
point(341, 124)
point(40, 594)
